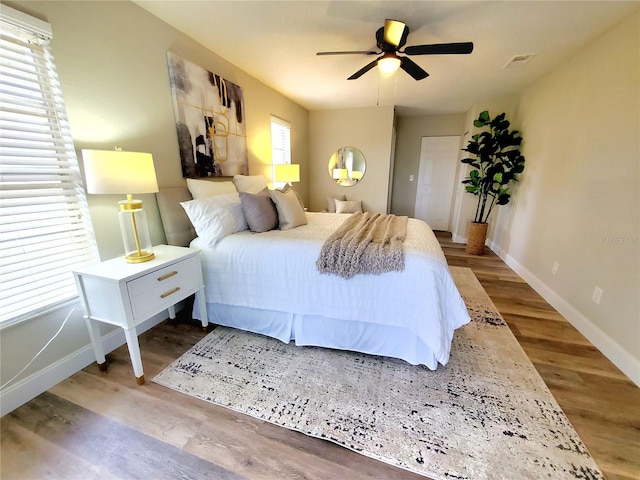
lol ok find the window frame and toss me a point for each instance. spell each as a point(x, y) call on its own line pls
point(280, 155)
point(45, 216)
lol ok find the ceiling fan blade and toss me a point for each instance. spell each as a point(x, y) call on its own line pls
point(395, 33)
point(412, 68)
point(440, 49)
point(350, 52)
point(363, 70)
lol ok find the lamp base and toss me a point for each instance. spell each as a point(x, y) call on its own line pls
point(141, 257)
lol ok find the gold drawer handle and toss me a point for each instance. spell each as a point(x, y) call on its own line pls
point(170, 292)
point(168, 275)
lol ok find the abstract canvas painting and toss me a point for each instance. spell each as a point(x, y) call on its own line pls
point(210, 121)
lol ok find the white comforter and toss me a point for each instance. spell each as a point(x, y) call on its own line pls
point(276, 271)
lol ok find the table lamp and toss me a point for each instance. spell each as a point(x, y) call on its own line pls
point(118, 172)
point(287, 173)
point(340, 174)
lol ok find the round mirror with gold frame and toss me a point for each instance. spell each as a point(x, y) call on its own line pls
point(347, 166)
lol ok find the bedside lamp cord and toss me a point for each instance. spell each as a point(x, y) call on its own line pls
point(41, 350)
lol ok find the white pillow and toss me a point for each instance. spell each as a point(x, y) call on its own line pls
point(250, 183)
point(209, 188)
point(348, 206)
point(216, 217)
point(331, 204)
point(290, 212)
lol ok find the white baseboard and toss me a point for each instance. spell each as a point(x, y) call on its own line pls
point(35, 384)
point(627, 363)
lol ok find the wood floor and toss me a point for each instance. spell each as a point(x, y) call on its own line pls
point(104, 426)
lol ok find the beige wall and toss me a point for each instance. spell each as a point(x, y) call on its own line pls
point(578, 202)
point(579, 199)
point(111, 59)
point(409, 133)
point(368, 129)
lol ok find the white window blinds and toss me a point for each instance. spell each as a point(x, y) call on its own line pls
point(280, 145)
point(45, 230)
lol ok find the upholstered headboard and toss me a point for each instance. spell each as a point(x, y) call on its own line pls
point(177, 226)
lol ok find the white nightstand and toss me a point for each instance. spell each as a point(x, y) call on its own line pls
point(126, 294)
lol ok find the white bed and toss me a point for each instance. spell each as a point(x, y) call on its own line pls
point(268, 283)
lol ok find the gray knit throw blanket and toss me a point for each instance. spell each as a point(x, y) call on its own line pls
point(365, 243)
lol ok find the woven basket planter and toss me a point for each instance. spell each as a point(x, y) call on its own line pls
point(476, 236)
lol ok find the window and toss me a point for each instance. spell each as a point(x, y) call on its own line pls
point(280, 146)
point(45, 230)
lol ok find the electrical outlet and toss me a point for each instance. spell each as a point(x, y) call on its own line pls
point(411, 178)
point(597, 295)
point(555, 268)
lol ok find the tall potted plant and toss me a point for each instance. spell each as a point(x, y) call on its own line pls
point(496, 162)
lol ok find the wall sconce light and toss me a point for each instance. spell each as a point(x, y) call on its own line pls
point(118, 172)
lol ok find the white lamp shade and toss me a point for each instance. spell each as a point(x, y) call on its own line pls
point(114, 172)
point(356, 174)
point(340, 173)
point(287, 173)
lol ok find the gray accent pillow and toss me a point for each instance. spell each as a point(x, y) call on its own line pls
point(290, 210)
point(331, 202)
point(286, 189)
point(259, 210)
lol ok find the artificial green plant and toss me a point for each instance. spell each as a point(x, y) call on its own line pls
point(496, 161)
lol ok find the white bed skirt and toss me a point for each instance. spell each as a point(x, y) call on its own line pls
point(386, 340)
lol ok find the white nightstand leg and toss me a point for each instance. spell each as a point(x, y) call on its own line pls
point(134, 353)
point(96, 342)
point(202, 306)
point(172, 312)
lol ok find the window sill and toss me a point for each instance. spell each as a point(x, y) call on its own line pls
point(40, 313)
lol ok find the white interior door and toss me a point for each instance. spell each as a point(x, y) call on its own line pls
point(436, 178)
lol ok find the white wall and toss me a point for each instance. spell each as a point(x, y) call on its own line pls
point(111, 59)
point(368, 129)
point(579, 199)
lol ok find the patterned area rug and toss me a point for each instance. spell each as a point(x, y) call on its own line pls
point(487, 414)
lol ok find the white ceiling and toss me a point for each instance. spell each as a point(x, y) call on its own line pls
point(276, 42)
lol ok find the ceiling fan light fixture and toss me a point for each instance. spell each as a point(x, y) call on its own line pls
point(390, 39)
point(389, 64)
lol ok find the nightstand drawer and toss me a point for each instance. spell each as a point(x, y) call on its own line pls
point(185, 269)
point(164, 287)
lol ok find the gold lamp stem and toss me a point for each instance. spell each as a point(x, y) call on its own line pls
point(135, 251)
point(135, 233)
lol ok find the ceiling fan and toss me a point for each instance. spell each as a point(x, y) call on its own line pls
point(390, 39)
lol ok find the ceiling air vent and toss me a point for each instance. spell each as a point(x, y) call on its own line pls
point(518, 60)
